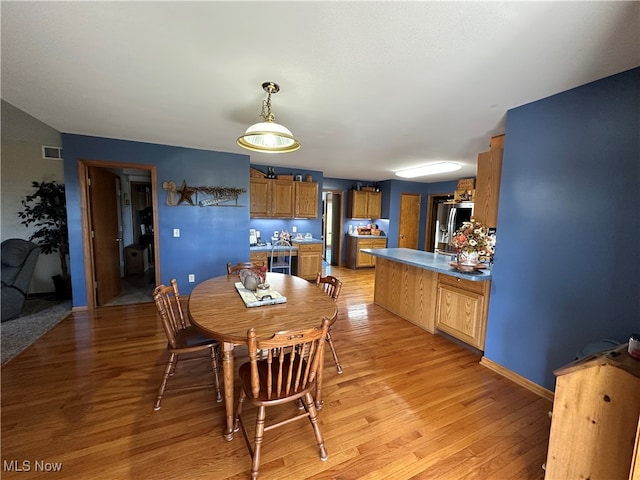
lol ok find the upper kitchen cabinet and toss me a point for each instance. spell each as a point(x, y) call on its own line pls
point(364, 204)
point(306, 199)
point(271, 198)
point(283, 198)
point(488, 183)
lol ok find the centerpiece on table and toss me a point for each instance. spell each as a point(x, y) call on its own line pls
point(255, 279)
point(473, 243)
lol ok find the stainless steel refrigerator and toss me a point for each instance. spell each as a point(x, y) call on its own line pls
point(449, 219)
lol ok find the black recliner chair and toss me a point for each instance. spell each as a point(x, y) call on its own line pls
point(19, 259)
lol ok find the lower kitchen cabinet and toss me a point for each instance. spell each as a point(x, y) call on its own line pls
point(357, 259)
point(309, 260)
point(260, 257)
point(462, 309)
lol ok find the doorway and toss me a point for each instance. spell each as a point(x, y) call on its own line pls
point(332, 226)
point(409, 223)
point(134, 248)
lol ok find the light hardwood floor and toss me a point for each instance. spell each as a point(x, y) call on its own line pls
point(409, 405)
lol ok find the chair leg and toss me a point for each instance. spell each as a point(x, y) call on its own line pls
point(238, 420)
point(313, 418)
point(216, 372)
point(169, 369)
point(333, 351)
point(255, 461)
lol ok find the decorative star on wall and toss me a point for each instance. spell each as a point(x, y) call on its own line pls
point(186, 193)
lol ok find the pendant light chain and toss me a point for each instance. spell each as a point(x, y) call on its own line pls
point(266, 110)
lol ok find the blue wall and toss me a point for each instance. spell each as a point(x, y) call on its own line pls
point(210, 236)
point(391, 191)
point(567, 261)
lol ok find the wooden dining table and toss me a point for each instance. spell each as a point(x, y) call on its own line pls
point(217, 310)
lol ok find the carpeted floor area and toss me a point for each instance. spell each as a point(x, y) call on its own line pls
point(38, 316)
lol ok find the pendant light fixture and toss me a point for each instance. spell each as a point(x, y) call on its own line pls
point(269, 136)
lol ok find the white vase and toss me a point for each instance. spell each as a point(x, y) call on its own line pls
point(469, 258)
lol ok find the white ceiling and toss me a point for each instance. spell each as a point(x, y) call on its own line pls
point(367, 87)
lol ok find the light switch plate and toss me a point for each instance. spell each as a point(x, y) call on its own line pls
point(176, 232)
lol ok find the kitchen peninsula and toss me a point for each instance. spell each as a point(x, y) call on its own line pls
point(425, 289)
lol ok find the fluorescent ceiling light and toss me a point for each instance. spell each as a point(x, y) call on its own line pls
point(431, 169)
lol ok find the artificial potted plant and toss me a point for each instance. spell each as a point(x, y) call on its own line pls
point(46, 209)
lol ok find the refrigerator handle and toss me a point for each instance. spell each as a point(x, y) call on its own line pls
point(452, 224)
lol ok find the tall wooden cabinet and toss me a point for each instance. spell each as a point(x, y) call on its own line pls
point(364, 204)
point(594, 426)
point(488, 176)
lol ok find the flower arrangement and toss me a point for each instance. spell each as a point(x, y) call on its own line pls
point(474, 237)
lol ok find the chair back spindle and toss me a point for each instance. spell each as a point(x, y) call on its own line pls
point(167, 299)
point(329, 285)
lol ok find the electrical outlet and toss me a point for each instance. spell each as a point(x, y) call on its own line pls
point(192, 278)
point(294, 229)
point(176, 232)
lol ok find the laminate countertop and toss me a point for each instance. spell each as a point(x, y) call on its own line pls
point(294, 242)
point(427, 260)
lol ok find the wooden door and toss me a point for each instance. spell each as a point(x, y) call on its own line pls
point(103, 211)
point(409, 223)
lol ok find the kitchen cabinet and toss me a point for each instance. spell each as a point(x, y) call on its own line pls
point(364, 204)
point(488, 176)
point(306, 199)
point(462, 307)
point(309, 260)
point(260, 257)
point(407, 291)
point(357, 259)
point(594, 425)
point(271, 198)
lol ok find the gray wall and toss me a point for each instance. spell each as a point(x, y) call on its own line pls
point(22, 139)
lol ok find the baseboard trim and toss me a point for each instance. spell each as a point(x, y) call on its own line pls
point(514, 377)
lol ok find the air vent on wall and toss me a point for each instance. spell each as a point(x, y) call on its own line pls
point(51, 153)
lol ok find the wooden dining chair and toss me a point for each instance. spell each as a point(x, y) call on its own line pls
point(332, 287)
point(181, 336)
point(282, 368)
point(242, 265)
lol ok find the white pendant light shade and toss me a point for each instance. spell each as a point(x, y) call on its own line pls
point(269, 136)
